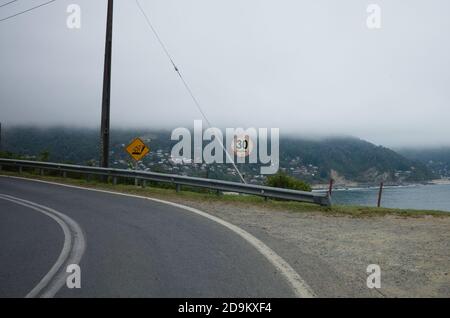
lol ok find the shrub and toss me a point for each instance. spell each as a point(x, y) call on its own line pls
point(282, 180)
point(9, 155)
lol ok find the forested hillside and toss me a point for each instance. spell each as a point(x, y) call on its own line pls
point(344, 159)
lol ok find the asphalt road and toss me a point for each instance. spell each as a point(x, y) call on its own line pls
point(132, 247)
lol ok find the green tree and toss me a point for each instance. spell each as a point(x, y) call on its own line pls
point(282, 180)
point(44, 156)
point(9, 155)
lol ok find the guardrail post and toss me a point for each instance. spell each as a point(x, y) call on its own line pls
point(178, 187)
point(143, 183)
point(88, 177)
point(64, 174)
point(326, 201)
point(20, 169)
point(136, 182)
point(265, 197)
point(41, 172)
point(114, 180)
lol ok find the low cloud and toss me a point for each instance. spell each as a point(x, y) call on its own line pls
point(307, 68)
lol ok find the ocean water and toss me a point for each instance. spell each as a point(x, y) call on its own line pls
point(428, 197)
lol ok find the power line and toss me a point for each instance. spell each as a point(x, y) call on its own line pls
point(25, 11)
point(5, 4)
point(186, 85)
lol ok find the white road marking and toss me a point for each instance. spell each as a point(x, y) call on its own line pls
point(71, 253)
point(299, 286)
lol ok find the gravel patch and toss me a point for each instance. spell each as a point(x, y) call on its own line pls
point(332, 252)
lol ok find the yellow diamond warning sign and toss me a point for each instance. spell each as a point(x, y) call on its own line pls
point(137, 149)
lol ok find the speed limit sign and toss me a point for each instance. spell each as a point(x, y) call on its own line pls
point(242, 145)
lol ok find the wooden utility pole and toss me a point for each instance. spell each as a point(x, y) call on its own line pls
point(104, 161)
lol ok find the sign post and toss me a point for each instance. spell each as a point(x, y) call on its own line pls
point(137, 149)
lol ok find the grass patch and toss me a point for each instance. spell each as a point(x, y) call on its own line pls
point(364, 211)
point(168, 192)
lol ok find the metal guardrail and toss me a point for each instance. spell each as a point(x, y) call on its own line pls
point(219, 185)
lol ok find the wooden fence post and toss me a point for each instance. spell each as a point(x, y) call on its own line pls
point(379, 194)
point(330, 188)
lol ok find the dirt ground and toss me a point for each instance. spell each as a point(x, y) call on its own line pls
point(332, 252)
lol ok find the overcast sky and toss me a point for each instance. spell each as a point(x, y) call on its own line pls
point(307, 67)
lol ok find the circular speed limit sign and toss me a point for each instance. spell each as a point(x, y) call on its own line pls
point(242, 145)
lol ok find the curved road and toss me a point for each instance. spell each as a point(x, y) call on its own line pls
point(129, 247)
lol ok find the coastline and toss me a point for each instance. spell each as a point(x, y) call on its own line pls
point(359, 186)
point(439, 181)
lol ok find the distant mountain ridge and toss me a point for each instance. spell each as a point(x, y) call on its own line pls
point(352, 159)
point(347, 160)
point(436, 159)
